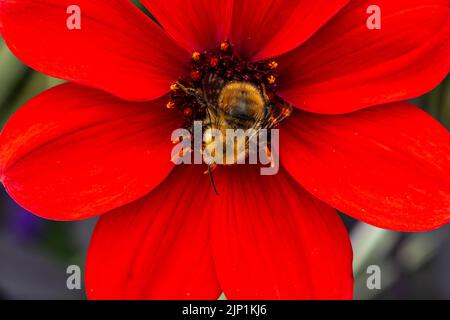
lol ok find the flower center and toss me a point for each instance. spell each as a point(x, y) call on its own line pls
point(230, 93)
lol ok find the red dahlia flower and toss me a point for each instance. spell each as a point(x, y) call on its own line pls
point(75, 152)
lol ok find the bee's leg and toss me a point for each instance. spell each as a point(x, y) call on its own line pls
point(267, 103)
point(266, 97)
point(211, 167)
point(197, 93)
point(189, 91)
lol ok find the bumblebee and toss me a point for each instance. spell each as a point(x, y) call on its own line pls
point(240, 106)
point(236, 105)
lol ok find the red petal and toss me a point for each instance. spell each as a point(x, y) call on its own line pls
point(158, 247)
point(118, 48)
point(264, 29)
point(346, 66)
point(194, 24)
point(74, 152)
point(273, 240)
point(388, 166)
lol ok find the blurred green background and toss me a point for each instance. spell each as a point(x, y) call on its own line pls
point(34, 253)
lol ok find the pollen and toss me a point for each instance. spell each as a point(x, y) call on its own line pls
point(196, 56)
point(224, 46)
point(271, 79)
point(174, 87)
point(273, 65)
point(170, 105)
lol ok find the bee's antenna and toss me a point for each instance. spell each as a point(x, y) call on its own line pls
point(211, 178)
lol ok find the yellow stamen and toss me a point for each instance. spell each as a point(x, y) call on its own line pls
point(224, 46)
point(273, 65)
point(196, 56)
point(170, 105)
point(271, 79)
